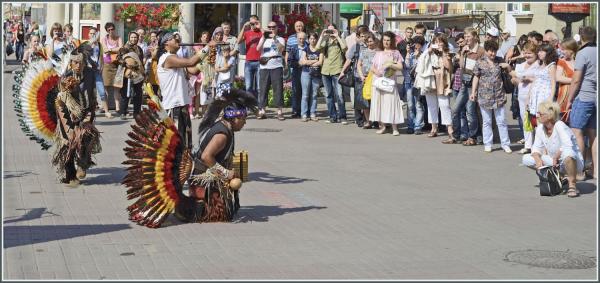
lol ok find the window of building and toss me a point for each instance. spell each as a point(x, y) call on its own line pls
point(90, 11)
point(517, 7)
point(474, 6)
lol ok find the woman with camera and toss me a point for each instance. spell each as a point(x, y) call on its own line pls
point(271, 47)
point(434, 81)
point(415, 106)
point(386, 105)
point(55, 44)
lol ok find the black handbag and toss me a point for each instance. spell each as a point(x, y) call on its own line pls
point(348, 79)
point(507, 84)
point(550, 182)
point(9, 49)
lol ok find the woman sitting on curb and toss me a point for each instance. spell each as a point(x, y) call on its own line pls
point(555, 145)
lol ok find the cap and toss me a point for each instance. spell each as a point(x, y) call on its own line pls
point(493, 32)
point(506, 30)
point(439, 30)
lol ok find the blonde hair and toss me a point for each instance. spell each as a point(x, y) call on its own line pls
point(570, 44)
point(552, 109)
point(473, 32)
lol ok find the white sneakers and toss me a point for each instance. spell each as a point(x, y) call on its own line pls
point(487, 149)
point(507, 149)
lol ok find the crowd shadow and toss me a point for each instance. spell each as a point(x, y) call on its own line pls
point(105, 175)
point(262, 213)
point(17, 174)
point(269, 178)
point(31, 214)
point(15, 236)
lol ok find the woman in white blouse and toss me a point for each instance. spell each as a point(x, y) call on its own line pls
point(555, 145)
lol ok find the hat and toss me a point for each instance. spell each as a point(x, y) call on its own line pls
point(166, 37)
point(439, 30)
point(493, 32)
point(218, 30)
point(506, 30)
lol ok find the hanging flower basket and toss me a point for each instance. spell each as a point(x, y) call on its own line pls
point(149, 15)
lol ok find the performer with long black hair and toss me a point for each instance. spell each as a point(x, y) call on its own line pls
point(160, 164)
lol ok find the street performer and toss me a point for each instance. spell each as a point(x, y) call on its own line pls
point(76, 138)
point(160, 165)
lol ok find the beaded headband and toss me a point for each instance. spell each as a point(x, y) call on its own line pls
point(234, 113)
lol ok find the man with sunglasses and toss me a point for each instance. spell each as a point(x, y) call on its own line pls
point(251, 34)
point(271, 47)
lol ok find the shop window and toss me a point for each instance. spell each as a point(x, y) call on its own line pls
point(517, 8)
point(474, 6)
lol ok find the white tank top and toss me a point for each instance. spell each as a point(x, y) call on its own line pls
point(174, 87)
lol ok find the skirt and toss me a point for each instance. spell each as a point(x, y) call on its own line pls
point(386, 107)
point(109, 72)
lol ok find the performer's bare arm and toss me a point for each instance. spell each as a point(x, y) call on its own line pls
point(216, 144)
point(173, 62)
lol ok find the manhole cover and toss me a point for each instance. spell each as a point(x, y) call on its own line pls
point(551, 259)
point(262, 130)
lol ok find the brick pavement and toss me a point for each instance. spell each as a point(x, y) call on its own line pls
point(325, 202)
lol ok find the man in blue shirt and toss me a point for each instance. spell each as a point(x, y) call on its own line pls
point(292, 59)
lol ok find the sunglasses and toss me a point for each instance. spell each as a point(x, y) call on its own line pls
point(271, 26)
point(110, 29)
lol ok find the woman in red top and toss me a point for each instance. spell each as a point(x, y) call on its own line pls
point(564, 75)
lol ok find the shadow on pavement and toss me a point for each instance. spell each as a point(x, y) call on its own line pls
point(261, 213)
point(105, 176)
point(17, 174)
point(268, 178)
point(586, 188)
point(114, 121)
point(15, 236)
point(31, 214)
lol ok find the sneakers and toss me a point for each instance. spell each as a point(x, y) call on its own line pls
point(524, 151)
point(304, 119)
point(507, 149)
point(314, 118)
point(123, 117)
point(280, 116)
point(332, 121)
point(418, 132)
point(395, 133)
point(344, 122)
point(410, 131)
point(487, 149)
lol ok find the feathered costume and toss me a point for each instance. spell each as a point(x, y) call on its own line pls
point(53, 110)
point(159, 166)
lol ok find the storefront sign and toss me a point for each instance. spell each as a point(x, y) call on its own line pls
point(570, 8)
point(351, 9)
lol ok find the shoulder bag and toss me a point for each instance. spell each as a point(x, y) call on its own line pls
point(507, 84)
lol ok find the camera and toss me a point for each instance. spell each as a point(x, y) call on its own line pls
point(59, 34)
point(267, 34)
point(329, 31)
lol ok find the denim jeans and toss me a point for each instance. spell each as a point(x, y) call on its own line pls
point(100, 85)
point(461, 103)
point(415, 108)
point(333, 93)
point(296, 89)
point(463, 131)
point(310, 89)
point(252, 76)
point(19, 50)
